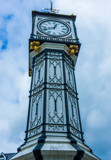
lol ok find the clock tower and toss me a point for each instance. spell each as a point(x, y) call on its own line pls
point(54, 128)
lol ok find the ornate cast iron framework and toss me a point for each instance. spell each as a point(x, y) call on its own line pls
point(53, 103)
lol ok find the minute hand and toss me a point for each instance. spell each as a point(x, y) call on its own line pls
point(50, 28)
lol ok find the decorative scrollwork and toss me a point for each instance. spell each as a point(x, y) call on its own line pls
point(55, 71)
point(55, 114)
point(74, 117)
point(35, 90)
point(55, 55)
point(35, 117)
point(56, 119)
point(75, 132)
point(38, 76)
point(34, 131)
point(69, 77)
point(55, 93)
point(36, 122)
point(56, 128)
point(55, 86)
point(74, 122)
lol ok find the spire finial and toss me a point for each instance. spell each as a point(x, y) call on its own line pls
point(51, 5)
point(51, 10)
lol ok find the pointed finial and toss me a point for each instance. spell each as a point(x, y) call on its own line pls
point(51, 5)
point(51, 10)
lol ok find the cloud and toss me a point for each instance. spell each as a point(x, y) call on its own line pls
point(15, 29)
point(93, 73)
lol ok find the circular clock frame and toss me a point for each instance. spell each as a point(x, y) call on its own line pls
point(41, 22)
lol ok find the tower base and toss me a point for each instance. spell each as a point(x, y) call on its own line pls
point(54, 148)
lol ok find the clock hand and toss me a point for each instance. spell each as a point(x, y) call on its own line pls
point(45, 29)
point(50, 28)
point(55, 26)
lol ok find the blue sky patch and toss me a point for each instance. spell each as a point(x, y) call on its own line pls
point(4, 46)
point(8, 17)
point(3, 37)
point(3, 32)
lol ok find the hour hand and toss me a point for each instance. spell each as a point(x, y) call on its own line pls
point(55, 26)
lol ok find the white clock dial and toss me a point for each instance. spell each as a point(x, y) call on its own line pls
point(54, 27)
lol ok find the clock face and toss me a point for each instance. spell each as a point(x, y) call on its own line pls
point(54, 28)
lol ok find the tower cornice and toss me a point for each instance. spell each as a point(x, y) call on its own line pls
point(53, 14)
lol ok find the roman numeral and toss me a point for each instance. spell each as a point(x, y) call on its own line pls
point(63, 31)
point(63, 28)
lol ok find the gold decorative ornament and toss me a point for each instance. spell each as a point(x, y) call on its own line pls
point(38, 43)
point(53, 10)
point(74, 49)
point(37, 48)
point(71, 46)
point(30, 72)
point(31, 45)
point(35, 45)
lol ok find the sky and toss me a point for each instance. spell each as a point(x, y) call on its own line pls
point(93, 70)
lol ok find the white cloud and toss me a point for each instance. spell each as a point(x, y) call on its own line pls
point(96, 120)
point(15, 22)
point(92, 70)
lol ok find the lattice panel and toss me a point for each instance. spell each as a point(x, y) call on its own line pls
point(36, 110)
point(54, 68)
point(55, 107)
point(38, 77)
point(53, 93)
point(74, 115)
point(70, 76)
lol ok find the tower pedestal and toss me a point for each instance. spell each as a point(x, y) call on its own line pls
point(54, 148)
